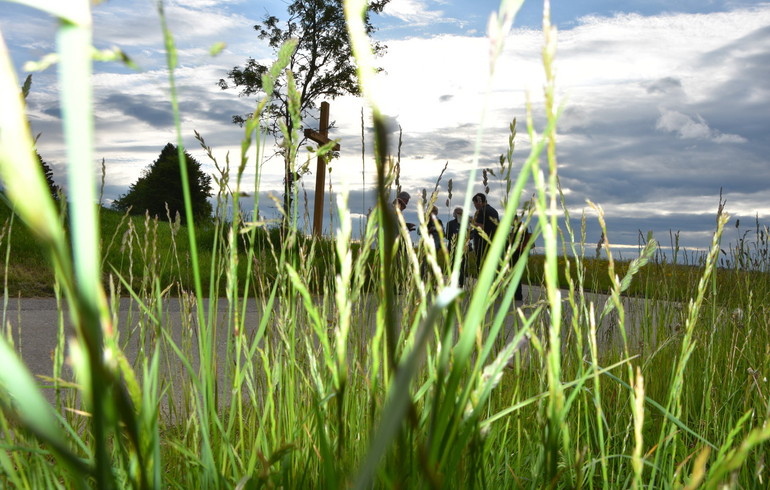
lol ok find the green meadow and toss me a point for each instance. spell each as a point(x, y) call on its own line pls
point(366, 366)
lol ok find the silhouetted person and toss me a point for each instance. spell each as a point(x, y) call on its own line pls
point(453, 229)
point(486, 219)
point(452, 236)
point(400, 260)
point(526, 236)
point(401, 202)
point(433, 225)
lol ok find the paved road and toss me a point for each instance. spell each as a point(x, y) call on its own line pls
point(35, 323)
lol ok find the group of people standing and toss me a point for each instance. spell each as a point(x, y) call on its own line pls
point(483, 227)
point(485, 219)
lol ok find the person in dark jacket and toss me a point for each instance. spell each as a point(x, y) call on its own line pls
point(452, 235)
point(520, 231)
point(453, 230)
point(435, 228)
point(400, 203)
point(400, 264)
point(434, 225)
point(486, 219)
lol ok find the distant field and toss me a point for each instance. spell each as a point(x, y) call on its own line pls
point(132, 245)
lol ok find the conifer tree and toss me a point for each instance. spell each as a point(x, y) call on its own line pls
point(48, 172)
point(161, 184)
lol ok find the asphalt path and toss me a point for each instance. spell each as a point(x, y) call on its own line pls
point(35, 322)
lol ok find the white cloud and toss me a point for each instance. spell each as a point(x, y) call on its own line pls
point(728, 138)
point(693, 128)
point(412, 11)
point(198, 4)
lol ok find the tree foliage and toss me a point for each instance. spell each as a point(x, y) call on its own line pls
point(48, 172)
point(161, 184)
point(322, 63)
point(322, 66)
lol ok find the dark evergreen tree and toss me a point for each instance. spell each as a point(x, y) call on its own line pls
point(52, 187)
point(161, 184)
point(47, 171)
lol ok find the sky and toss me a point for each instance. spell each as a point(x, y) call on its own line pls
point(665, 104)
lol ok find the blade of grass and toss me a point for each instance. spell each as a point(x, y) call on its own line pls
point(28, 404)
point(399, 397)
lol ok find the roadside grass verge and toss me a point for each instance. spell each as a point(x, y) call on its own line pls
point(138, 247)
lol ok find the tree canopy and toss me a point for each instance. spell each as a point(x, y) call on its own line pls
point(161, 184)
point(48, 173)
point(322, 63)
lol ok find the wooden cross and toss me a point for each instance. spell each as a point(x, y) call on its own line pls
point(321, 137)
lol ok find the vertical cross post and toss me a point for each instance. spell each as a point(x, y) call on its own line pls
point(321, 137)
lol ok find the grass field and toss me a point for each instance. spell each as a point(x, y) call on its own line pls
point(366, 369)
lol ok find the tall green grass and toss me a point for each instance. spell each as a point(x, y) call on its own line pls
point(329, 367)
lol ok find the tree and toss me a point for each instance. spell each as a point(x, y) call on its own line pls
point(322, 64)
point(47, 171)
point(161, 184)
point(52, 187)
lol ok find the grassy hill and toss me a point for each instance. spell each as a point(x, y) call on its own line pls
point(141, 250)
point(133, 247)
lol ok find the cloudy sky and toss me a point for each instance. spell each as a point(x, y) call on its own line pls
point(665, 101)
